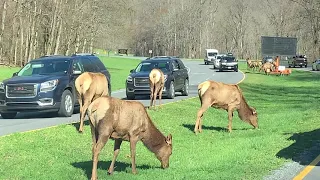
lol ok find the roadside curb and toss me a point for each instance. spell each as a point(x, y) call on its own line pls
point(307, 169)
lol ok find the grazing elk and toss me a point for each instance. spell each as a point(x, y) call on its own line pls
point(123, 120)
point(267, 68)
point(224, 96)
point(156, 80)
point(90, 86)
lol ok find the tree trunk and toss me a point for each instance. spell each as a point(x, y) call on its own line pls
point(4, 12)
point(52, 28)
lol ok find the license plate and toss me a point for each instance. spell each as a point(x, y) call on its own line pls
point(229, 67)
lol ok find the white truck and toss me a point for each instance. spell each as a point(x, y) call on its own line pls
point(211, 56)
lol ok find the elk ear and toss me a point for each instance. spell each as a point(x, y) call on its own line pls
point(169, 139)
point(254, 112)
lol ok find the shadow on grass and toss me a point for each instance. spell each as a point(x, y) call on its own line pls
point(191, 128)
point(305, 148)
point(85, 123)
point(104, 165)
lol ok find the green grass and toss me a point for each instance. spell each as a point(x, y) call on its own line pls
point(118, 67)
point(6, 72)
point(285, 106)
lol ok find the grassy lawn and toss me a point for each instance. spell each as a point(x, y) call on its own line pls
point(118, 67)
point(288, 120)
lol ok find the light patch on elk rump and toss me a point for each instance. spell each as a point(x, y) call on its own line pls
point(203, 87)
point(98, 115)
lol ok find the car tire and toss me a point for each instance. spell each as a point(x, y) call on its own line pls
point(10, 115)
point(185, 90)
point(67, 104)
point(171, 91)
point(306, 66)
point(130, 96)
point(236, 69)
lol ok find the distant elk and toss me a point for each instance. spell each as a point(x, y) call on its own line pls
point(90, 86)
point(123, 120)
point(224, 96)
point(156, 81)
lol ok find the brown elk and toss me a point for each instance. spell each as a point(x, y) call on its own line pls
point(224, 96)
point(267, 67)
point(123, 120)
point(156, 80)
point(90, 86)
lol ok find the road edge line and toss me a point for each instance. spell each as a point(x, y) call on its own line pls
point(307, 169)
point(244, 76)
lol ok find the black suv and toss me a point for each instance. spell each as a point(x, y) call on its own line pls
point(47, 84)
point(175, 74)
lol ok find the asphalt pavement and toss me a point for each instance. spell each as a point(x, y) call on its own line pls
point(198, 72)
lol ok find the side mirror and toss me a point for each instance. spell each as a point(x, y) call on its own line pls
point(15, 74)
point(132, 70)
point(77, 72)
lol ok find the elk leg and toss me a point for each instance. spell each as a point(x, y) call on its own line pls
point(80, 103)
point(117, 144)
point(102, 140)
point(94, 138)
point(85, 106)
point(151, 95)
point(160, 95)
point(155, 94)
point(230, 115)
point(133, 142)
point(203, 108)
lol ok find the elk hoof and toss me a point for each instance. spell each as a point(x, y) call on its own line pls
point(109, 173)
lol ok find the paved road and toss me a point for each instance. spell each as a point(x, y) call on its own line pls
point(198, 73)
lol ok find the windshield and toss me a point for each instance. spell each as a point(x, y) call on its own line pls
point(229, 59)
point(45, 67)
point(148, 66)
point(212, 54)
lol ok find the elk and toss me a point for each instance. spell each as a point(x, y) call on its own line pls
point(156, 81)
point(267, 67)
point(90, 86)
point(123, 120)
point(224, 96)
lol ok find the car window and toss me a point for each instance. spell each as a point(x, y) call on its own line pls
point(88, 66)
point(175, 65)
point(45, 67)
point(181, 65)
point(148, 66)
point(98, 64)
point(77, 66)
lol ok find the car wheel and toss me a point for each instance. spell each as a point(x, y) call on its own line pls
point(10, 115)
point(130, 96)
point(305, 66)
point(236, 69)
point(67, 104)
point(185, 91)
point(171, 92)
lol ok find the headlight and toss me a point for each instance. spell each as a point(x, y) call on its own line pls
point(129, 79)
point(49, 85)
point(1, 85)
point(165, 77)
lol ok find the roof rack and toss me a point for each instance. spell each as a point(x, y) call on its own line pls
point(51, 55)
point(83, 54)
point(157, 57)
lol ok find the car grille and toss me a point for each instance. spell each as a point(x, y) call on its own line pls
point(21, 90)
point(141, 82)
